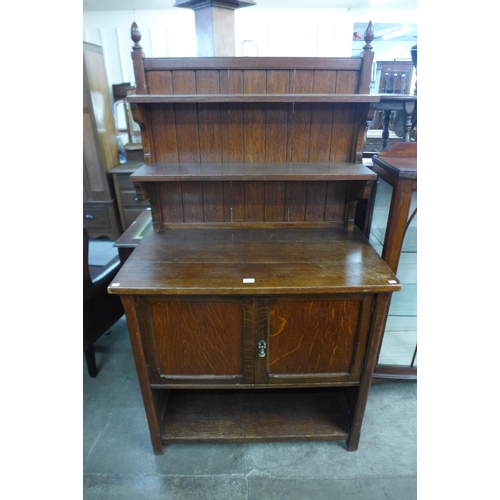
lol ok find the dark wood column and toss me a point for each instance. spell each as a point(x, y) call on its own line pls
point(214, 25)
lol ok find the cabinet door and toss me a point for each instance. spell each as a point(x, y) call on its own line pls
point(193, 341)
point(313, 340)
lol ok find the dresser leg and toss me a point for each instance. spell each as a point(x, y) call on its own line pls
point(353, 441)
point(90, 359)
point(157, 446)
point(154, 401)
point(358, 397)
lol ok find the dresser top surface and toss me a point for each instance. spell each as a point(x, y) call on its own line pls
point(243, 261)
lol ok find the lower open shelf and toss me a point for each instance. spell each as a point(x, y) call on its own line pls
point(255, 415)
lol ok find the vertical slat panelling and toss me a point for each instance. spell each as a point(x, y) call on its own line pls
point(303, 81)
point(210, 133)
point(325, 82)
point(171, 196)
point(344, 117)
point(299, 127)
point(299, 123)
point(224, 81)
point(192, 196)
point(237, 201)
point(159, 82)
point(321, 132)
point(254, 81)
point(209, 117)
point(296, 201)
point(232, 133)
point(163, 118)
point(347, 82)
point(321, 117)
point(336, 199)
point(227, 201)
point(213, 201)
point(276, 123)
point(342, 145)
point(207, 82)
point(231, 82)
point(275, 209)
point(276, 132)
point(186, 117)
point(315, 201)
point(254, 201)
point(254, 131)
point(277, 82)
point(184, 82)
point(163, 133)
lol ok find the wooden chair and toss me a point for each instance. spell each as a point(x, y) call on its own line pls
point(100, 309)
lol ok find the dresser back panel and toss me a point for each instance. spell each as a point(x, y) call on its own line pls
point(247, 132)
point(253, 81)
point(254, 201)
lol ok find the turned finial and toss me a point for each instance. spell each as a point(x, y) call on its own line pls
point(135, 34)
point(369, 36)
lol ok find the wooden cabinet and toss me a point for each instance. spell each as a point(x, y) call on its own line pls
point(99, 218)
point(100, 151)
point(395, 230)
point(247, 309)
point(255, 305)
point(130, 206)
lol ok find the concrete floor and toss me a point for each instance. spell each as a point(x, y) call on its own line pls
point(119, 463)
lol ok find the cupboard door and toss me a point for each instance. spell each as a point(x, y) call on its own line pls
point(315, 340)
point(198, 340)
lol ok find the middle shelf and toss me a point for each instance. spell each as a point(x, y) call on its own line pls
point(266, 193)
point(257, 171)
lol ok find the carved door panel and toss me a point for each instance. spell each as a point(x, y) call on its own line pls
point(311, 340)
point(199, 340)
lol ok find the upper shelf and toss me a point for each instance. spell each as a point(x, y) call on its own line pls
point(231, 171)
point(257, 98)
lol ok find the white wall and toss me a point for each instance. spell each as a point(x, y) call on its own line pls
point(295, 32)
point(171, 32)
point(165, 33)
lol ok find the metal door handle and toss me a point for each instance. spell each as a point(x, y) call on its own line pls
point(262, 348)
